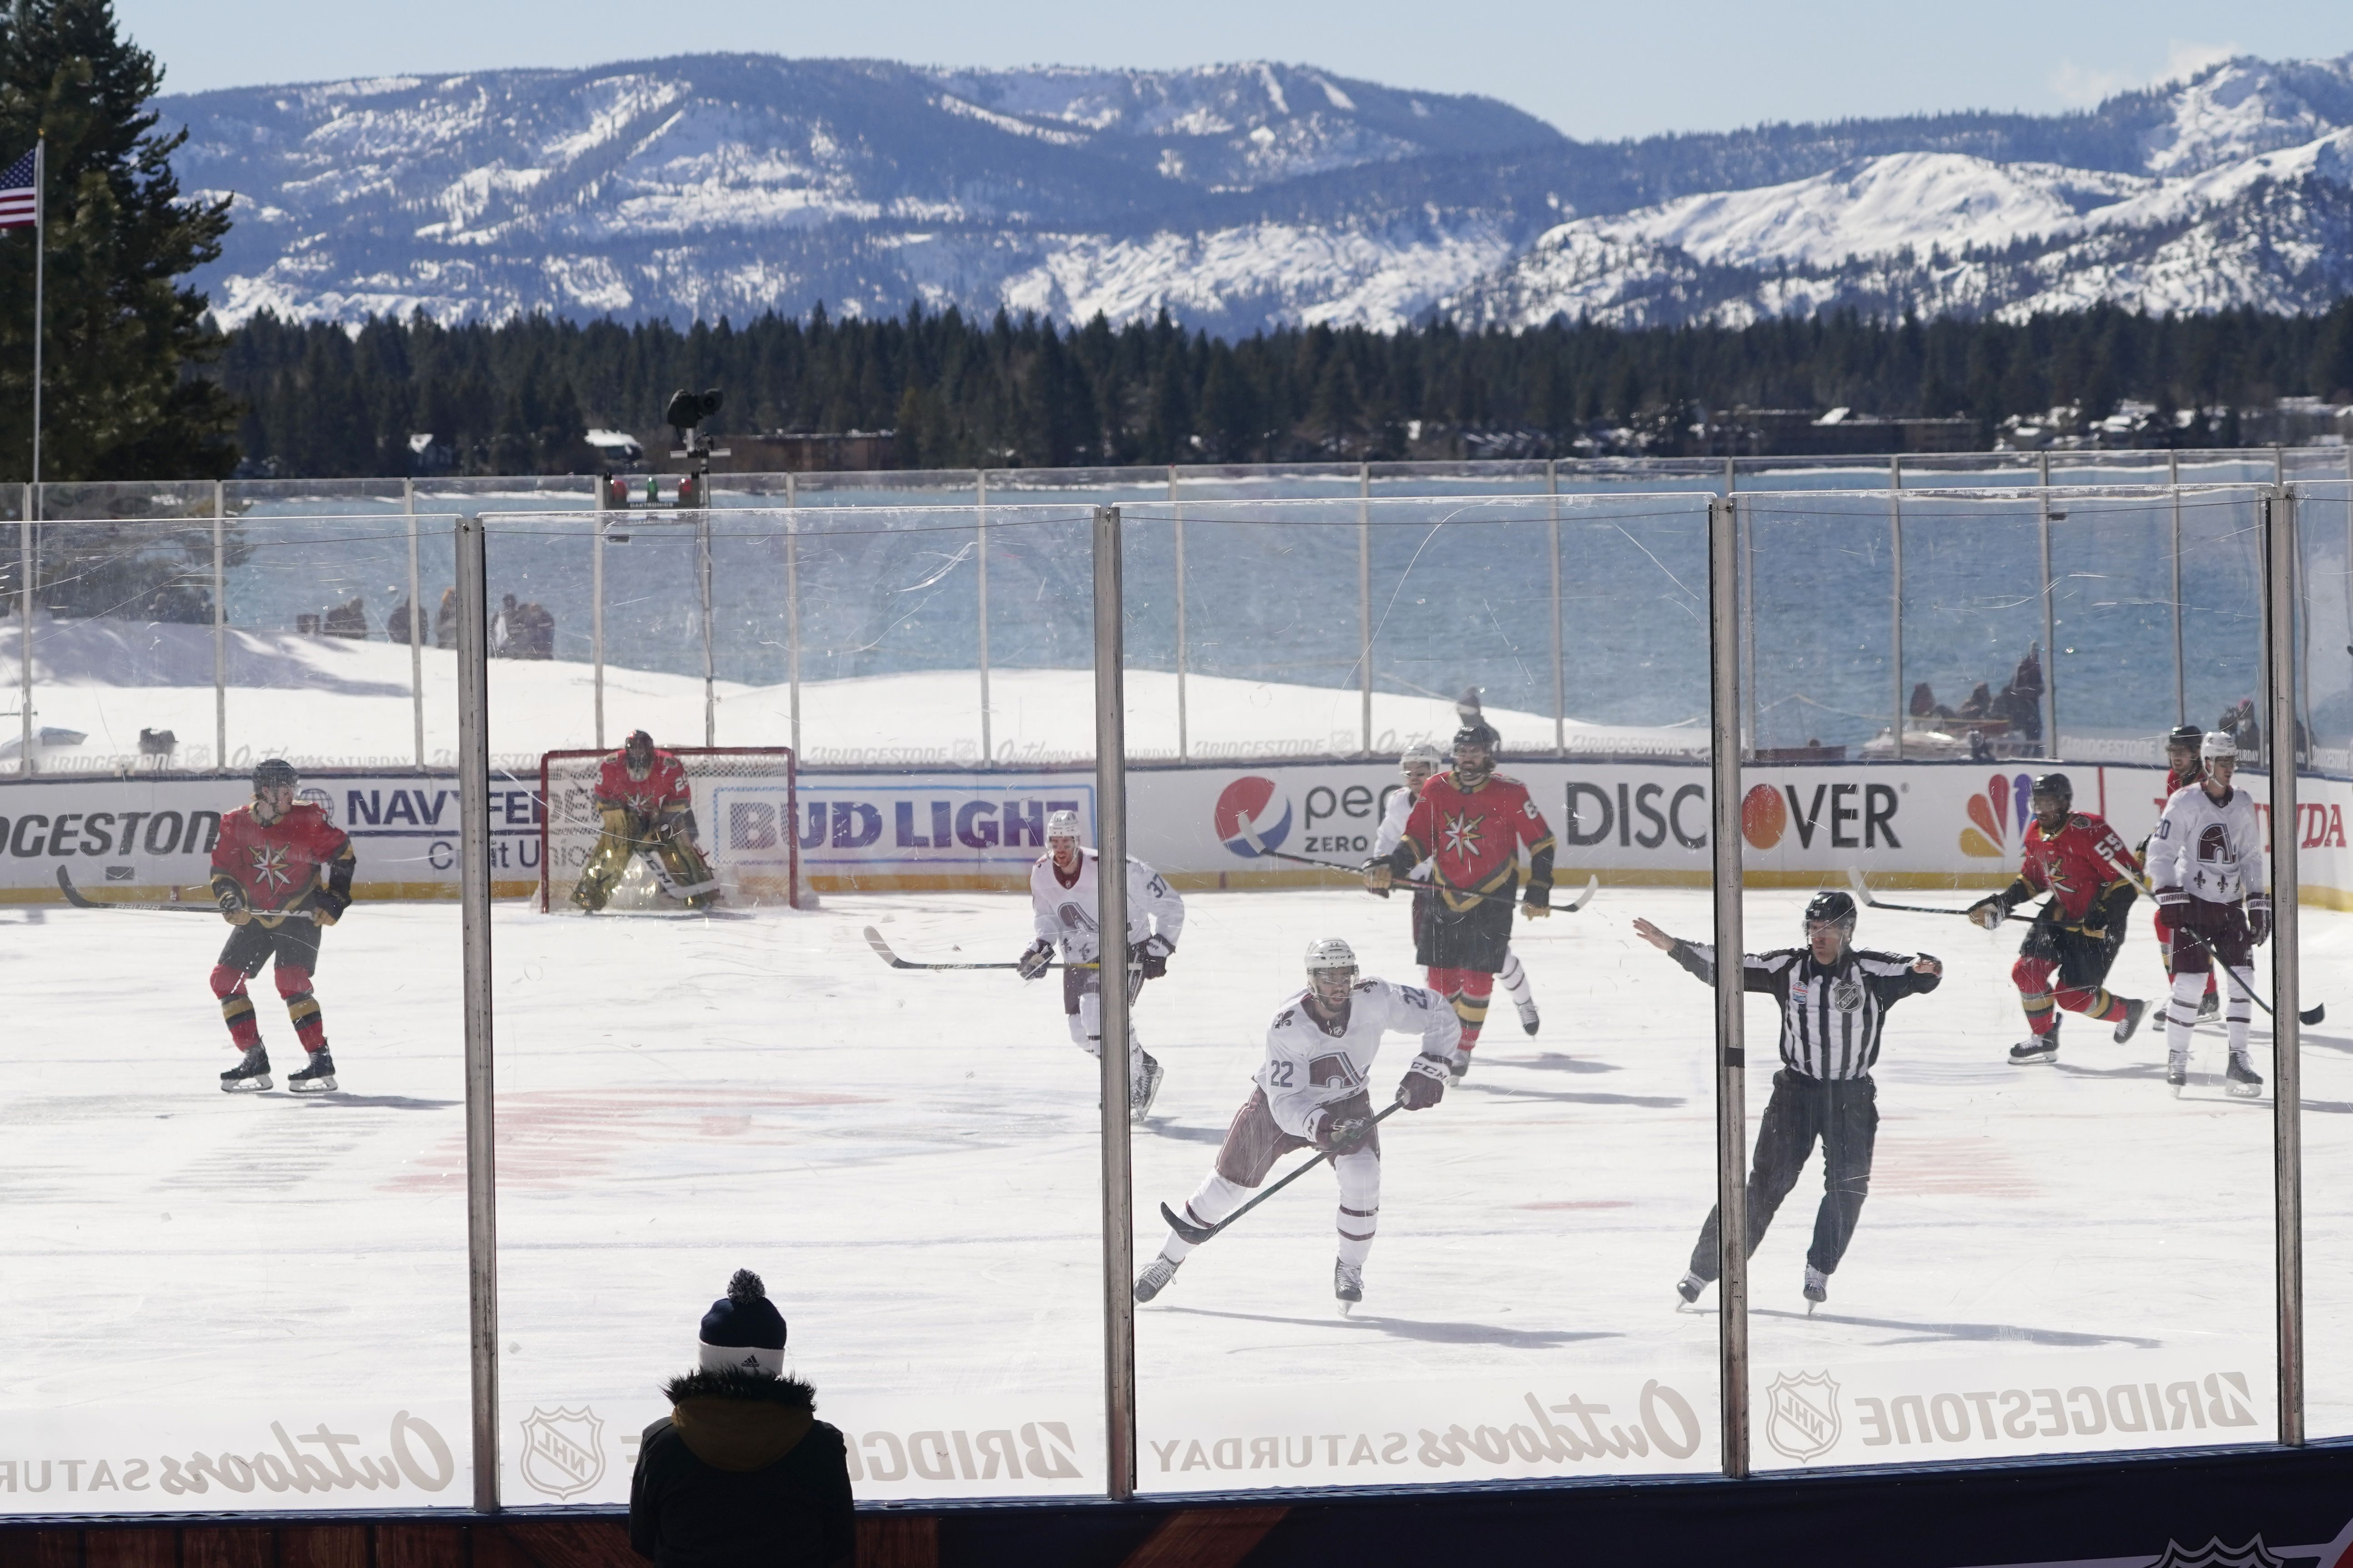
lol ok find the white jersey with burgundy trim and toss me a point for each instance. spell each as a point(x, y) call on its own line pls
point(1392, 830)
point(1067, 915)
point(1310, 1064)
point(2213, 850)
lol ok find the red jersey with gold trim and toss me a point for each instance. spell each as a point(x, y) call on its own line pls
point(1472, 837)
point(2084, 859)
point(663, 787)
point(296, 862)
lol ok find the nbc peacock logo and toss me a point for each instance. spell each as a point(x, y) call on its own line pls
point(1996, 814)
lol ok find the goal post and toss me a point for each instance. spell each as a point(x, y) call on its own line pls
point(747, 816)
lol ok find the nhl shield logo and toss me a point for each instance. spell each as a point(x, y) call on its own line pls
point(1846, 995)
point(563, 1451)
point(1802, 1416)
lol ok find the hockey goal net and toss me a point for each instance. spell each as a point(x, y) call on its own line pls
point(745, 812)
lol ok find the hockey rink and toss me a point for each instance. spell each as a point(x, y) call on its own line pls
point(909, 1159)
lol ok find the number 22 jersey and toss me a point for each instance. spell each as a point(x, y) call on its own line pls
point(1308, 1067)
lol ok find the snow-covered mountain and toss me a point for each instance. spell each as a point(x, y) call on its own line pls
point(1239, 196)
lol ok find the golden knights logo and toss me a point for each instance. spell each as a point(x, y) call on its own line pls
point(269, 870)
point(1802, 1418)
point(1460, 833)
point(563, 1451)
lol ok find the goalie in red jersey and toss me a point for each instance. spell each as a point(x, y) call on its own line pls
point(1471, 823)
point(2077, 858)
point(280, 872)
point(647, 808)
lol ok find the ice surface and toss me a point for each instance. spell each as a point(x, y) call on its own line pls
point(910, 1160)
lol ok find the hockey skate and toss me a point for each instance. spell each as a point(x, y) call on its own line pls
point(2209, 1006)
point(1688, 1288)
point(1348, 1285)
point(2177, 1071)
point(1818, 1289)
point(2241, 1081)
point(250, 1076)
point(2035, 1049)
point(1147, 1085)
point(2134, 1010)
point(316, 1078)
point(1458, 1068)
point(1156, 1277)
point(1529, 1020)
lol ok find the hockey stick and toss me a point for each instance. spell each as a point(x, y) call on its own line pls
point(1854, 875)
point(81, 900)
point(1197, 1233)
point(1592, 883)
point(883, 950)
point(2312, 1015)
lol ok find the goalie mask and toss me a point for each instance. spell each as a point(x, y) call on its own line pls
point(1331, 971)
point(638, 753)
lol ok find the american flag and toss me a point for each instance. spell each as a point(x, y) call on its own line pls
point(20, 195)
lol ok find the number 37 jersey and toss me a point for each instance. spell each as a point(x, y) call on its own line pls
point(1308, 1067)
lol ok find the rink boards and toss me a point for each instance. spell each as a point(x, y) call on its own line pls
point(1903, 824)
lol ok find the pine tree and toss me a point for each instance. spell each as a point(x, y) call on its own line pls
point(123, 333)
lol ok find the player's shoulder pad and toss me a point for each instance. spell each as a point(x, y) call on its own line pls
point(2086, 821)
point(1502, 778)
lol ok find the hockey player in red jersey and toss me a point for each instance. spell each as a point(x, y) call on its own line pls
point(2077, 858)
point(2183, 768)
point(1471, 823)
point(648, 807)
point(280, 872)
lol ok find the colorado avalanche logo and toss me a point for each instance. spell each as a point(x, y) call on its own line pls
point(269, 867)
point(1242, 817)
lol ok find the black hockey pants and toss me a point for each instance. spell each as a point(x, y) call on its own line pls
point(1844, 1114)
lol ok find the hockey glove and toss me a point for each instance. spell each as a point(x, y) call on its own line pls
point(1036, 958)
point(1379, 875)
point(1338, 1135)
point(1538, 904)
point(1152, 955)
point(1992, 910)
point(1424, 1083)
point(2259, 917)
point(2172, 903)
point(233, 907)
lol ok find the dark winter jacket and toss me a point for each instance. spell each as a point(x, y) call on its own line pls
point(742, 1475)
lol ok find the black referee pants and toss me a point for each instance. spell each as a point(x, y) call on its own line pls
point(1844, 1114)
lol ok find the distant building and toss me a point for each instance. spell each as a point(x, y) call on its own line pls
point(846, 451)
point(617, 448)
point(1838, 433)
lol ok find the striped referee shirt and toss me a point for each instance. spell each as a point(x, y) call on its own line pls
point(1832, 1017)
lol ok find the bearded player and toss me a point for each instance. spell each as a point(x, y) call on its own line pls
point(648, 807)
point(1062, 900)
point(2183, 767)
point(280, 872)
point(2206, 865)
point(2077, 858)
point(1470, 823)
point(1314, 1089)
point(1417, 766)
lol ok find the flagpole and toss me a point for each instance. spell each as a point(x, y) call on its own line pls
point(40, 257)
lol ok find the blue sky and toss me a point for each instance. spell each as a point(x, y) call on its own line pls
point(1596, 70)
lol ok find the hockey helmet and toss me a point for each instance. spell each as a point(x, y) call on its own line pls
point(1062, 824)
point(1831, 908)
point(2219, 747)
point(1331, 968)
point(2052, 786)
point(274, 773)
point(1422, 755)
point(1476, 735)
point(2184, 738)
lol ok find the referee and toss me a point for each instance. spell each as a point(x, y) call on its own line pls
point(1834, 999)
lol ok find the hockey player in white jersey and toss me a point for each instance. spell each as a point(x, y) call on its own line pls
point(1315, 1089)
point(2206, 864)
point(1419, 764)
point(1062, 893)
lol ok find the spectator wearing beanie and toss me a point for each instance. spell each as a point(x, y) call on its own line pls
point(742, 1474)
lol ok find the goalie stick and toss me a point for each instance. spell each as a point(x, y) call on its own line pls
point(883, 950)
point(81, 900)
point(1197, 1233)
